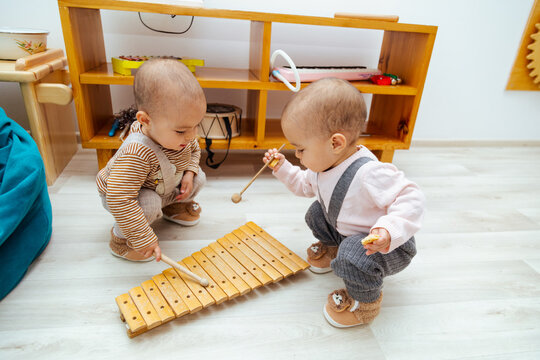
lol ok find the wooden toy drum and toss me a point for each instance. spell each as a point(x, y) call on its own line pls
point(221, 121)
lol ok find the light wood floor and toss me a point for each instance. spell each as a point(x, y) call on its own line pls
point(472, 292)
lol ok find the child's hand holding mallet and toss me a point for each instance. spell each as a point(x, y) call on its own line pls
point(277, 161)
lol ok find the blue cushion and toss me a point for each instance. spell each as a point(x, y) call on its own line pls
point(25, 207)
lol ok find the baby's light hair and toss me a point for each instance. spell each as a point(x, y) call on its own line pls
point(161, 82)
point(328, 106)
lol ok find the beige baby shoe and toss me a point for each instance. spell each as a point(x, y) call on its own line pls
point(319, 257)
point(343, 311)
point(119, 248)
point(183, 213)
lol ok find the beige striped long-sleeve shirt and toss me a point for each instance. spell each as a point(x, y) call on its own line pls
point(133, 167)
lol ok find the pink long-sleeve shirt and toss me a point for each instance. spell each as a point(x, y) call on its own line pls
point(379, 196)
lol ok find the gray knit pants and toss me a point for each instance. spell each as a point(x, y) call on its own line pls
point(362, 274)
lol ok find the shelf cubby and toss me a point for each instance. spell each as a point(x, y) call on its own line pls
point(405, 50)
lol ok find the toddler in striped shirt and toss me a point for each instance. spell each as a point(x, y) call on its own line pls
point(156, 171)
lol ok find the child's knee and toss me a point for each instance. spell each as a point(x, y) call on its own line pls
point(351, 259)
point(352, 250)
point(200, 179)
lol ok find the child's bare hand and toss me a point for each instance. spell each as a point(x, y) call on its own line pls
point(381, 244)
point(279, 156)
point(186, 185)
point(153, 249)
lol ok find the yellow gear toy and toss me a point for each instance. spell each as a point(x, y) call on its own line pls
point(534, 56)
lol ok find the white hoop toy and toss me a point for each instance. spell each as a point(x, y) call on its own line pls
point(277, 75)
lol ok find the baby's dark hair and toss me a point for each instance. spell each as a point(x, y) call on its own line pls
point(328, 106)
point(164, 81)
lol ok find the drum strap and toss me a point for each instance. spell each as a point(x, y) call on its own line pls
point(210, 153)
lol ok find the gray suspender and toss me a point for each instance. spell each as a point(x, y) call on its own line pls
point(167, 169)
point(338, 195)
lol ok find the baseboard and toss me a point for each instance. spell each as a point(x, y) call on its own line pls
point(473, 143)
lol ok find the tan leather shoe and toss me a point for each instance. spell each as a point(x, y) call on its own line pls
point(319, 257)
point(343, 311)
point(119, 248)
point(183, 213)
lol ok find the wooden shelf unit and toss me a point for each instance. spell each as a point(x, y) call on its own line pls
point(406, 51)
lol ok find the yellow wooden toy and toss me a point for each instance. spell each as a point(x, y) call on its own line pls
point(370, 238)
point(124, 64)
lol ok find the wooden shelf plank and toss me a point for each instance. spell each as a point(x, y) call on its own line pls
point(363, 86)
point(233, 79)
point(274, 138)
point(208, 78)
point(246, 15)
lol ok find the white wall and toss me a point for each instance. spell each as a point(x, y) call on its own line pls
point(464, 96)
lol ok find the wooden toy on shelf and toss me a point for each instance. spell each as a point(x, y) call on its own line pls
point(124, 64)
point(235, 264)
point(123, 120)
point(313, 73)
point(386, 79)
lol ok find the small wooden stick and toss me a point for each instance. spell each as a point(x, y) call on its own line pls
point(177, 266)
point(238, 196)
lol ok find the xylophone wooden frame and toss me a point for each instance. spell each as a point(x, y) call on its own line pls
point(240, 262)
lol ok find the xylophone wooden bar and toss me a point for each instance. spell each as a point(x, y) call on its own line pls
point(171, 296)
point(252, 280)
point(159, 303)
point(149, 314)
point(245, 260)
point(129, 313)
point(282, 248)
point(219, 278)
point(243, 250)
point(262, 252)
point(197, 289)
point(234, 265)
point(182, 289)
point(213, 289)
point(243, 282)
point(276, 253)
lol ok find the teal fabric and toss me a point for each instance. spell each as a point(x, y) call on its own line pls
point(25, 208)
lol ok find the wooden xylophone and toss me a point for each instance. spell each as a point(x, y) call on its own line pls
point(234, 265)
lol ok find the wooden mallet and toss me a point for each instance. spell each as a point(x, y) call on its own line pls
point(237, 197)
point(182, 269)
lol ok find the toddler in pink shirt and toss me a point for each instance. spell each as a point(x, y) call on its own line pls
point(356, 195)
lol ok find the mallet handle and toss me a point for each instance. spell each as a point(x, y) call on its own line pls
point(260, 171)
point(179, 267)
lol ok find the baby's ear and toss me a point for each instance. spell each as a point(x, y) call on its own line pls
point(339, 142)
point(143, 117)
